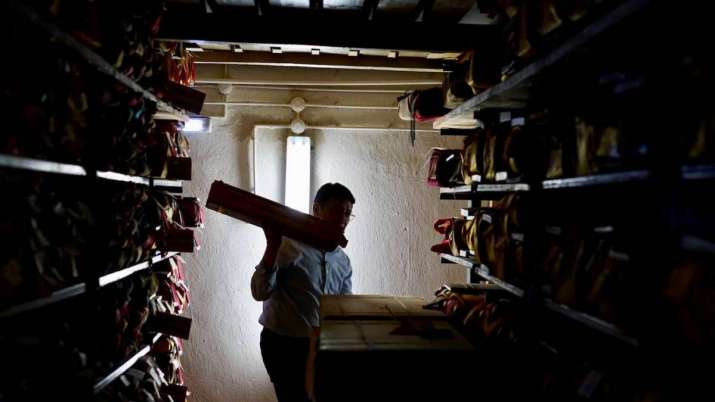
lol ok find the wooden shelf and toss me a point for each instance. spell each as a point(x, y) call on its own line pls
point(502, 187)
point(80, 288)
point(699, 172)
point(697, 244)
point(467, 192)
point(126, 365)
point(514, 92)
point(43, 166)
point(88, 55)
point(163, 114)
point(578, 316)
point(466, 262)
point(39, 165)
point(455, 193)
point(55, 297)
point(123, 273)
point(590, 321)
point(704, 172)
point(597, 179)
point(483, 271)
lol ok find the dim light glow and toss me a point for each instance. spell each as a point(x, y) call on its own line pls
point(197, 125)
point(297, 184)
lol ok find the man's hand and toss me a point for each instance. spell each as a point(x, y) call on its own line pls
point(273, 243)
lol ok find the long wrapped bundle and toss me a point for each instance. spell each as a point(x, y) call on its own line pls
point(262, 212)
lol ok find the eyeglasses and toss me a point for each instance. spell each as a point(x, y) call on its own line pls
point(338, 211)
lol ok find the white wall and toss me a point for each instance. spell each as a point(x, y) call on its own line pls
point(392, 233)
point(389, 240)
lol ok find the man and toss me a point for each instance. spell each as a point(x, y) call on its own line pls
point(289, 281)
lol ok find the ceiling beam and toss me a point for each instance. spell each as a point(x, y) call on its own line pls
point(324, 89)
point(410, 84)
point(373, 63)
point(252, 94)
point(293, 77)
point(320, 28)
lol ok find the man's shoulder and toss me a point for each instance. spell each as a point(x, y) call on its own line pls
point(293, 250)
point(341, 257)
point(289, 252)
point(296, 248)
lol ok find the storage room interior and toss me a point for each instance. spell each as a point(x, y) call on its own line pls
point(338, 200)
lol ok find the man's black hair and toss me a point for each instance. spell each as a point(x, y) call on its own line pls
point(333, 190)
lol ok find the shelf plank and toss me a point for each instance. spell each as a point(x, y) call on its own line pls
point(697, 244)
point(113, 176)
point(126, 365)
point(39, 165)
point(502, 187)
point(578, 316)
point(572, 182)
point(597, 179)
point(164, 114)
point(513, 92)
point(465, 192)
point(455, 193)
point(700, 172)
point(88, 55)
point(123, 273)
point(79, 289)
point(483, 271)
point(466, 262)
point(171, 185)
point(590, 321)
point(62, 294)
point(43, 166)
point(175, 186)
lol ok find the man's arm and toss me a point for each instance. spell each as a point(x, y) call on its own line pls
point(263, 280)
